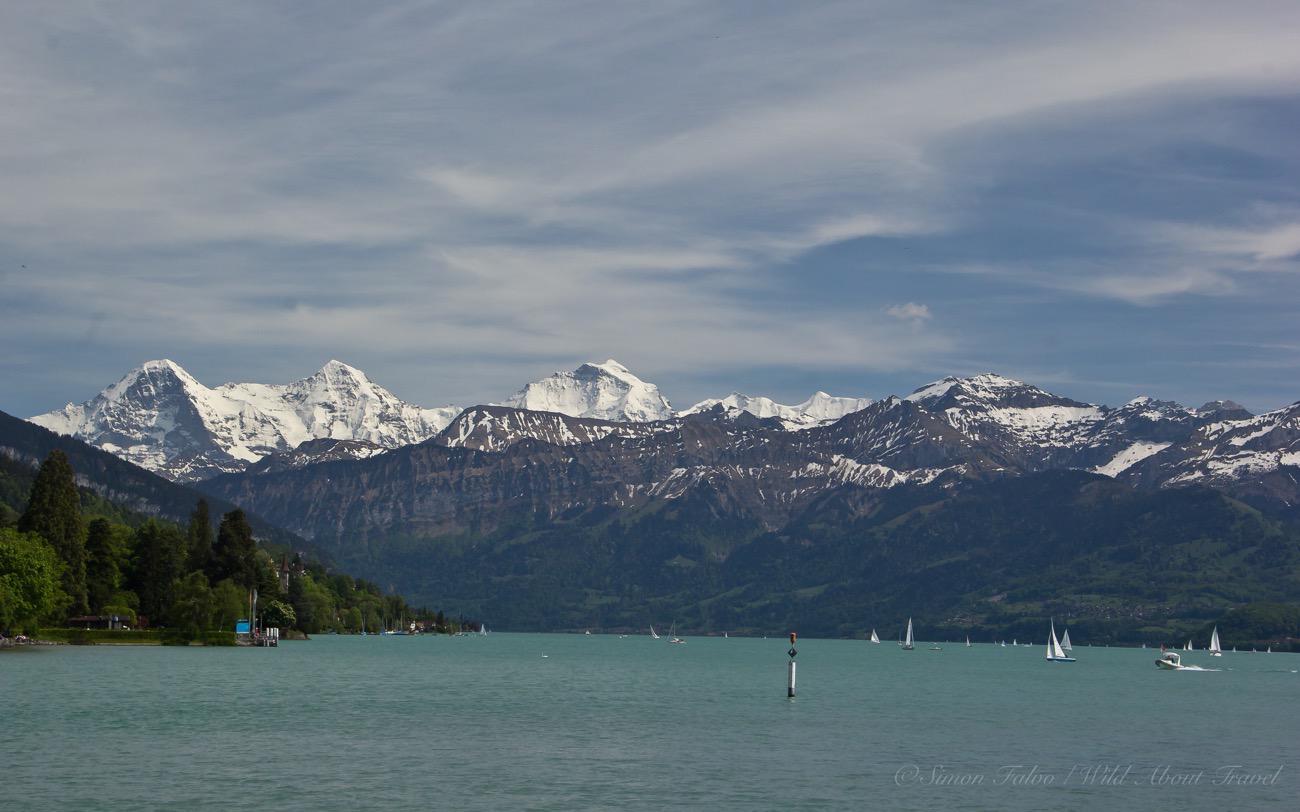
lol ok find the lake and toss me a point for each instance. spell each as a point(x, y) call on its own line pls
point(607, 723)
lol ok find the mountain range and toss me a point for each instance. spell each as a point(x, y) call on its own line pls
point(736, 511)
point(160, 418)
point(163, 419)
point(977, 427)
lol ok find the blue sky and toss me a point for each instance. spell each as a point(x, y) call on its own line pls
point(1103, 199)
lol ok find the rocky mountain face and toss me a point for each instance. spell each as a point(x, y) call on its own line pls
point(1256, 458)
point(607, 391)
point(313, 452)
point(954, 500)
point(496, 428)
point(159, 417)
point(492, 463)
point(973, 428)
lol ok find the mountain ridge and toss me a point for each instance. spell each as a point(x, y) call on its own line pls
point(162, 418)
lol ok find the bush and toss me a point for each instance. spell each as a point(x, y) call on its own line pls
point(87, 637)
point(218, 638)
point(177, 637)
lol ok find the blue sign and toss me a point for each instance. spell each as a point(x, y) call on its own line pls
point(241, 626)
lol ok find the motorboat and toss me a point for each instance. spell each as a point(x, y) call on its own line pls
point(1171, 661)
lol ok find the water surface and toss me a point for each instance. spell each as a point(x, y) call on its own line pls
point(602, 722)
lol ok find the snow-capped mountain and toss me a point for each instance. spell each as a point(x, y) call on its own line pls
point(1228, 453)
point(496, 463)
point(159, 417)
point(817, 410)
point(605, 391)
point(959, 428)
point(496, 428)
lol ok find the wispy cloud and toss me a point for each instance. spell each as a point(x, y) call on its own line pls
point(520, 183)
point(909, 312)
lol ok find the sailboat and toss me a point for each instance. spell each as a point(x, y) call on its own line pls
point(1215, 650)
point(653, 636)
point(1188, 647)
point(968, 641)
point(907, 643)
point(482, 629)
point(672, 635)
point(874, 638)
point(1065, 641)
point(1054, 653)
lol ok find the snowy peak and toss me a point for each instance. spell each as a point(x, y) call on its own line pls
point(606, 391)
point(151, 376)
point(1224, 410)
point(985, 389)
point(1261, 454)
point(160, 417)
point(824, 408)
point(817, 410)
point(496, 428)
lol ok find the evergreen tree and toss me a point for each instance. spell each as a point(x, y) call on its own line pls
point(200, 540)
point(106, 559)
point(234, 556)
point(159, 562)
point(54, 513)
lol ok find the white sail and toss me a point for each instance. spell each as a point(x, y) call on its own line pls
point(1214, 640)
point(874, 638)
point(652, 632)
point(1065, 641)
point(1053, 647)
point(1188, 647)
point(907, 642)
point(968, 641)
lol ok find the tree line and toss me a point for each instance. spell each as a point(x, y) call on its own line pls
point(57, 564)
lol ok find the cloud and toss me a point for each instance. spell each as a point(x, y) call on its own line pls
point(1263, 245)
point(509, 182)
point(910, 312)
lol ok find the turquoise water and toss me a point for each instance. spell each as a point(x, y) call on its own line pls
point(607, 723)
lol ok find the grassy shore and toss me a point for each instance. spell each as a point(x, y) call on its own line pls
point(107, 637)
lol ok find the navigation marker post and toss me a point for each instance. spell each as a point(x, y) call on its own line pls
point(792, 652)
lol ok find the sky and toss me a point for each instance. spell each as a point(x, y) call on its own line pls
point(1099, 198)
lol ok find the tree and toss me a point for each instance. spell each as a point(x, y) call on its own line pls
point(159, 562)
point(107, 552)
point(199, 538)
point(30, 575)
point(229, 603)
point(54, 513)
point(234, 556)
point(266, 576)
point(352, 619)
point(191, 609)
point(278, 613)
